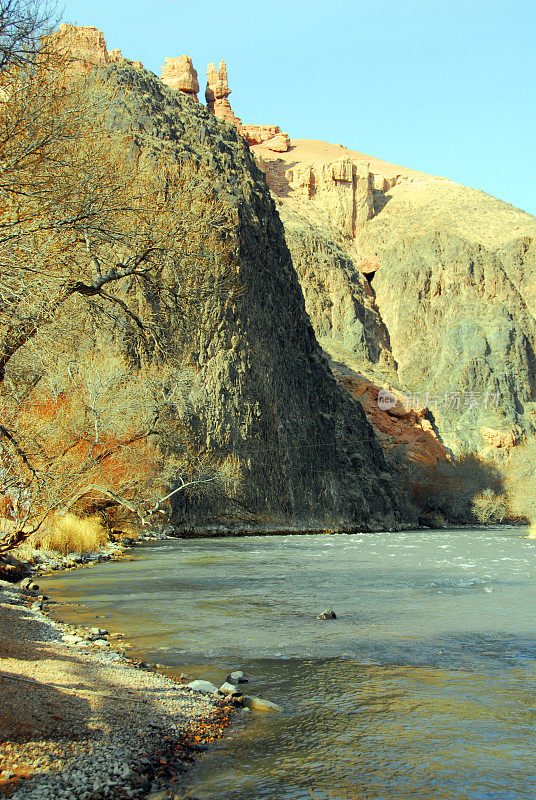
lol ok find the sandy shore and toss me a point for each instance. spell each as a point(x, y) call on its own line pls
point(81, 725)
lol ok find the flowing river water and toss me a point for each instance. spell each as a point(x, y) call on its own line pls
point(423, 687)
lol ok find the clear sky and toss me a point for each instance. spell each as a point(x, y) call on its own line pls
point(443, 86)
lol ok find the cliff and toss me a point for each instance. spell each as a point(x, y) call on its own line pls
point(419, 283)
point(263, 390)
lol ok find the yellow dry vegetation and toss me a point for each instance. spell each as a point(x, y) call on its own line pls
point(68, 533)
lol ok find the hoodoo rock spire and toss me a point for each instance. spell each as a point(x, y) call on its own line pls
point(179, 74)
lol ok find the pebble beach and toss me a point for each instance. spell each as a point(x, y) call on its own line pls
point(82, 721)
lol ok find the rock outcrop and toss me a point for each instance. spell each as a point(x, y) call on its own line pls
point(263, 391)
point(270, 135)
point(216, 95)
point(179, 74)
point(85, 46)
point(115, 57)
point(217, 92)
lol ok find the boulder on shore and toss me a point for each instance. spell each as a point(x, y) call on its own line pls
point(237, 676)
point(203, 686)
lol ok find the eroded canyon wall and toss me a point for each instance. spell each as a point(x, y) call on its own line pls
point(431, 293)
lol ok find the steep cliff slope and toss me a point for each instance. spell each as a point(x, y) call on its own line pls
point(455, 290)
point(419, 283)
point(263, 390)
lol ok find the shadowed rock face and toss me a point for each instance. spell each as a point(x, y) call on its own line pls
point(264, 390)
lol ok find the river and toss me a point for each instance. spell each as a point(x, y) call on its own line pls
point(423, 687)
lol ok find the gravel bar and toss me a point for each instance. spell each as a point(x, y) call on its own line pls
point(80, 724)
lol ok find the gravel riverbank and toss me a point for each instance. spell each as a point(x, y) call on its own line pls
point(88, 724)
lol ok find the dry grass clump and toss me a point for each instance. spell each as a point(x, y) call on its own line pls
point(71, 534)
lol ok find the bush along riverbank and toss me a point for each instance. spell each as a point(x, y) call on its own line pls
point(27, 561)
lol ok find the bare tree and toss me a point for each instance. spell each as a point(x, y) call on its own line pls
point(97, 237)
point(22, 24)
point(97, 433)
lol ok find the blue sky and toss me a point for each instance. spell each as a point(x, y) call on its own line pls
point(442, 86)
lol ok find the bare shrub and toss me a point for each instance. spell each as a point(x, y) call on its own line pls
point(521, 481)
point(450, 489)
point(490, 507)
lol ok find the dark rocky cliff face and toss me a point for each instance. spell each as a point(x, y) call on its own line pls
point(264, 391)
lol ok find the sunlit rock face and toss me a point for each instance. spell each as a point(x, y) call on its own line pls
point(418, 283)
point(84, 46)
point(179, 74)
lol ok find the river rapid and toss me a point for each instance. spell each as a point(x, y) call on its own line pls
point(423, 687)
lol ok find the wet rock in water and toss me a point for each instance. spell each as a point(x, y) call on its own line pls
point(228, 688)
point(236, 677)
point(37, 606)
point(98, 631)
point(127, 541)
point(258, 704)
point(101, 643)
point(203, 686)
point(29, 585)
point(236, 700)
point(329, 614)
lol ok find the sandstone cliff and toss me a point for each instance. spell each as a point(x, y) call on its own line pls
point(85, 46)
